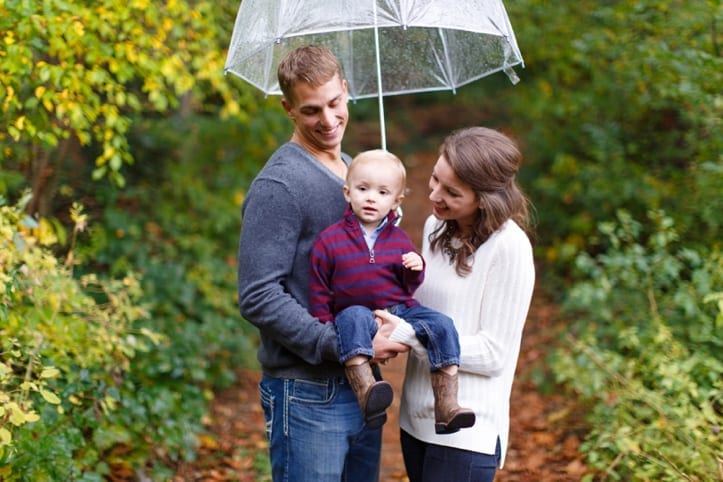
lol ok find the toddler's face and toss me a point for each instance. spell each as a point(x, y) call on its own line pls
point(373, 189)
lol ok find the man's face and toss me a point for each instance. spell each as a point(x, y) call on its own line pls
point(320, 114)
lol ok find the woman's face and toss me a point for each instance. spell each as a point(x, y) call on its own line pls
point(451, 198)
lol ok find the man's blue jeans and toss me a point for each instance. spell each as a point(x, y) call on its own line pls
point(316, 432)
point(356, 328)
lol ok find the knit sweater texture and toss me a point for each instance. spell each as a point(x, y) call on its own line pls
point(344, 272)
point(292, 199)
point(489, 307)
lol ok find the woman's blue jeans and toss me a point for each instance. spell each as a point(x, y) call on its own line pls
point(427, 462)
point(356, 328)
point(316, 432)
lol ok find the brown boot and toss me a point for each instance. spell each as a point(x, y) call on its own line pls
point(374, 396)
point(449, 417)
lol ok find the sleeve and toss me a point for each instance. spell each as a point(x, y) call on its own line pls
point(320, 273)
point(270, 234)
point(411, 280)
point(502, 312)
point(404, 333)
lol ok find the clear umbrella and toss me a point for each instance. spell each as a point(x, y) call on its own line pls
point(386, 47)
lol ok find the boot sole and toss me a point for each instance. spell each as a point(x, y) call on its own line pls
point(461, 420)
point(379, 398)
point(376, 421)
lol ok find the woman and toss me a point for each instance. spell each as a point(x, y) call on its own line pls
point(480, 272)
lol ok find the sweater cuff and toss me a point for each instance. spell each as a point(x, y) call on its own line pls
point(403, 333)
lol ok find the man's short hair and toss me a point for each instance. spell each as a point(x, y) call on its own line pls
point(312, 64)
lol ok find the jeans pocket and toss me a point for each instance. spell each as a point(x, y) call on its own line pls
point(311, 391)
point(267, 404)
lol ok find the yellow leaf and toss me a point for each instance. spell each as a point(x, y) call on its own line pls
point(49, 396)
point(17, 416)
point(32, 416)
point(109, 404)
point(208, 442)
point(78, 27)
point(49, 372)
point(239, 197)
point(5, 436)
point(45, 233)
point(27, 386)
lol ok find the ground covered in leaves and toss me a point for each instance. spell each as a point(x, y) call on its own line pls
point(546, 424)
point(546, 429)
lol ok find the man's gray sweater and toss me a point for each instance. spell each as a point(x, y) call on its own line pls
point(290, 202)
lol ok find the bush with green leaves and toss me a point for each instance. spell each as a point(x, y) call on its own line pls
point(66, 347)
point(76, 72)
point(177, 224)
point(644, 349)
point(619, 107)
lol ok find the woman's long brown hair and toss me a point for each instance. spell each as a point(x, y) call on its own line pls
point(487, 161)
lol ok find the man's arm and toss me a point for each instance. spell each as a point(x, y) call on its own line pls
point(272, 226)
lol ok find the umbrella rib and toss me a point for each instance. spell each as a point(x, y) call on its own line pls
point(270, 52)
point(447, 67)
point(379, 78)
point(507, 68)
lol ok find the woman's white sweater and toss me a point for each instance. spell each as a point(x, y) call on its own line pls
point(489, 307)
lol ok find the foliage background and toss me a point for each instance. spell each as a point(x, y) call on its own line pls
point(118, 317)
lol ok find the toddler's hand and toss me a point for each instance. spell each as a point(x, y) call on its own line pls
point(413, 261)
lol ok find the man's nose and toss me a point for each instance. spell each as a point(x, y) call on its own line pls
point(327, 117)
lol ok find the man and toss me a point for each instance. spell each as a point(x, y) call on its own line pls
point(315, 429)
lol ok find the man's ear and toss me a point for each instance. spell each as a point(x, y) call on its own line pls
point(287, 107)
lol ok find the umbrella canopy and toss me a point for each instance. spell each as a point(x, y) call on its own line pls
point(385, 47)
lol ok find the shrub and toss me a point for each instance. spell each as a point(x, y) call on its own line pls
point(644, 348)
point(66, 346)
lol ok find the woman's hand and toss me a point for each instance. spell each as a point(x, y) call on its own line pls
point(384, 349)
point(403, 332)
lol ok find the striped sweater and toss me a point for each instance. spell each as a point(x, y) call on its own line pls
point(344, 272)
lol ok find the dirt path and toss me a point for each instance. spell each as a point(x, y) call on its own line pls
point(545, 428)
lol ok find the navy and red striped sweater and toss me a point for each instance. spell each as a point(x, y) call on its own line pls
point(344, 272)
